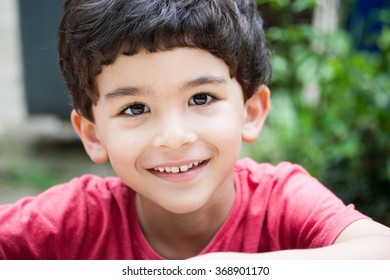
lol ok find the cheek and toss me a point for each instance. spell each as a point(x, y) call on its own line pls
point(123, 148)
point(225, 130)
point(230, 120)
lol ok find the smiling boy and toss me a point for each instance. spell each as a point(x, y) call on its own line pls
point(167, 91)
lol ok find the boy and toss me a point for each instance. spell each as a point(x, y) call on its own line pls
point(166, 90)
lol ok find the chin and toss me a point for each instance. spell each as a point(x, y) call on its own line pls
point(185, 206)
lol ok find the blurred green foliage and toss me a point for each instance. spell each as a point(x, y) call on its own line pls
point(330, 106)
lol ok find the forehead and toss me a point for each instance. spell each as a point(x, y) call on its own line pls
point(162, 69)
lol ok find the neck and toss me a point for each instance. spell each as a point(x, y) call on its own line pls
point(180, 236)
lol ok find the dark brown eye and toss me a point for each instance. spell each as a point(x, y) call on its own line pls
point(200, 99)
point(136, 109)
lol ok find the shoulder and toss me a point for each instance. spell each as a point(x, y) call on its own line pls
point(282, 173)
point(284, 185)
point(87, 193)
point(79, 194)
point(65, 216)
point(93, 182)
point(304, 213)
point(248, 164)
point(87, 185)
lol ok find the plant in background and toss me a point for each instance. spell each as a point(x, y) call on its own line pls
point(330, 106)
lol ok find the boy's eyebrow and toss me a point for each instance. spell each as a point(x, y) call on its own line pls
point(203, 80)
point(133, 91)
point(122, 92)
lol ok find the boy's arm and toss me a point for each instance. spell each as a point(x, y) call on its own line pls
point(363, 239)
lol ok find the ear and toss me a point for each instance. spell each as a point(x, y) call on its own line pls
point(256, 112)
point(87, 132)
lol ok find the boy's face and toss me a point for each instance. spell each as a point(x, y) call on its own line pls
point(171, 123)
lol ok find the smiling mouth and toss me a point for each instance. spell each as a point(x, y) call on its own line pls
point(178, 169)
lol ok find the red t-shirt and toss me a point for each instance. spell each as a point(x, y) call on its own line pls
point(276, 208)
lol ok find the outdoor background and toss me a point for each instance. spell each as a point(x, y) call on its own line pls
point(330, 100)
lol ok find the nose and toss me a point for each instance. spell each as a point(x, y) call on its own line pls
point(174, 131)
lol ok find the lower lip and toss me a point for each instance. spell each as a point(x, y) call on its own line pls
point(186, 176)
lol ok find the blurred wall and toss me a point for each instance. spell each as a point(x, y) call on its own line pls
point(36, 64)
point(12, 105)
point(45, 89)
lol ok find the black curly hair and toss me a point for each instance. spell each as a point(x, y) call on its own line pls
point(93, 33)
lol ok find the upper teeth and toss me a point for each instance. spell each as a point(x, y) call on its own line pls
point(182, 168)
